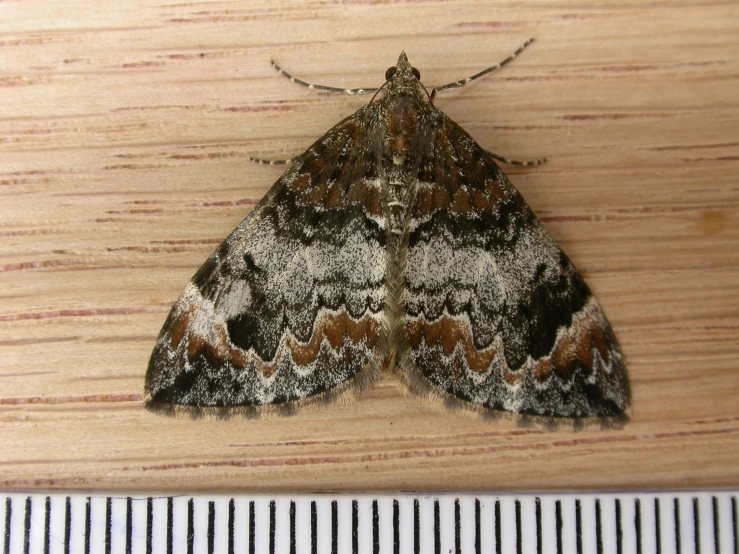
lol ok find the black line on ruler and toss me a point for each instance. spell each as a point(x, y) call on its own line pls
point(417, 526)
point(27, 527)
point(211, 526)
point(619, 530)
point(47, 525)
point(252, 531)
point(478, 535)
point(537, 504)
point(657, 527)
point(149, 525)
point(108, 523)
point(437, 527)
point(129, 525)
point(457, 528)
point(292, 527)
point(170, 525)
point(558, 519)
point(735, 525)
point(637, 524)
point(272, 525)
point(334, 527)
point(598, 528)
point(696, 526)
point(716, 540)
point(231, 523)
point(375, 528)
point(313, 528)
point(396, 527)
point(578, 526)
point(498, 541)
point(190, 526)
point(678, 542)
point(8, 513)
point(88, 524)
point(518, 528)
point(355, 527)
point(67, 524)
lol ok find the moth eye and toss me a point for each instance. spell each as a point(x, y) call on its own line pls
point(416, 73)
point(390, 72)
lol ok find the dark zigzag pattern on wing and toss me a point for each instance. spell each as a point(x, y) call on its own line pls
point(322, 200)
point(477, 209)
point(530, 326)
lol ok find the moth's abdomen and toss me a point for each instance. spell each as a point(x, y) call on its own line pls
point(398, 166)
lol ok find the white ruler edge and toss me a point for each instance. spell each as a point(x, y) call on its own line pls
point(702, 522)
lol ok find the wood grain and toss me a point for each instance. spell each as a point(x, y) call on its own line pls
point(125, 131)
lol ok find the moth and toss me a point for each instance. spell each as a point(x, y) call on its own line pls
point(394, 244)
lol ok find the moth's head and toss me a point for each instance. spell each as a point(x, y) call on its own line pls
point(403, 78)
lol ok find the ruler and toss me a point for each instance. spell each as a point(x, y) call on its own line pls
point(661, 523)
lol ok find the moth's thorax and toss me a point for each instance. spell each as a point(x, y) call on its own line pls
point(404, 118)
point(405, 139)
point(405, 113)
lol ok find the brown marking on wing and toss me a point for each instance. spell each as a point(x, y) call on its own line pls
point(367, 194)
point(334, 328)
point(463, 199)
point(179, 327)
point(301, 184)
point(440, 198)
point(334, 172)
point(575, 346)
point(314, 192)
point(461, 202)
point(335, 196)
point(338, 194)
point(484, 201)
point(494, 194)
point(422, 202)
point(448, 333)
point(430, 199)
point(470, 176)
point(544, 368)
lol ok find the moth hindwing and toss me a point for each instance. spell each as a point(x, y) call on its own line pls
point(393, 244)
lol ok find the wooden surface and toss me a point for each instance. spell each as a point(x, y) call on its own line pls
point(124, 135)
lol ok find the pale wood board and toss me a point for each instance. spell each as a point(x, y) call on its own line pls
point(125, 131)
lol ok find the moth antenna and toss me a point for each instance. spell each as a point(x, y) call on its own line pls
point(271, 162)
point(519, 162)
point(312, 86)
point(463, 82)
point(430, 97)
point(377, 92)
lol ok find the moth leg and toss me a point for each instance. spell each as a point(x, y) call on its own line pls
point(463, 82)
point(518, 162)
point(322, 87)
point(271, 162)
